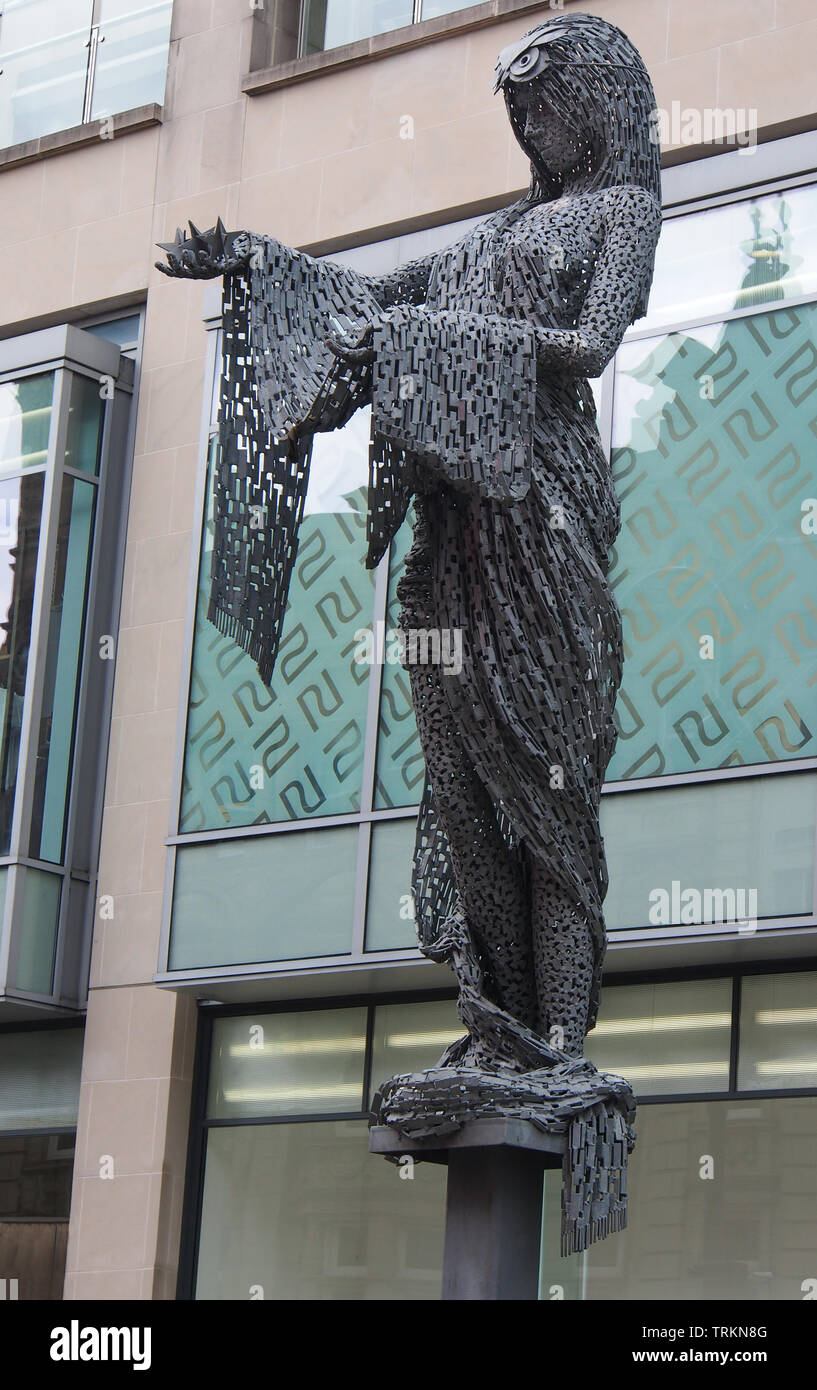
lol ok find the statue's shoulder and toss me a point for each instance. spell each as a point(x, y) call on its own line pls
point(631, 201)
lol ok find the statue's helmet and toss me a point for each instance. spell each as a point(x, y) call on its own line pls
point(593, 78)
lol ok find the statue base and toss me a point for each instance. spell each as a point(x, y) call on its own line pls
point(493, 1218)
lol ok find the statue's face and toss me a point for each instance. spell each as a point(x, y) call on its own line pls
point(556, 144)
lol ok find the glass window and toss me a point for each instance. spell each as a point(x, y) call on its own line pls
point(778, 1031)
point(131, 60)
point(44, 58)
point(25, 421)
point(39, 1078)
point(669, 1038)
point(330, 23)
point(259, 755)
point(83, 442)
point(412, 1037)
point(304, 1063)
point(35, 1200)
point(714, 566)
point(736, 256)
point(20, 510)
point(390, 907)
point(304, 1212)
point(280, 897)
point(727, 852)
point(400, 764)
point(432, 9)
point(55, 744)
point(39, 912)
point(746, 1233)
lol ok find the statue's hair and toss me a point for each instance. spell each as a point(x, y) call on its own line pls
point(596, 82)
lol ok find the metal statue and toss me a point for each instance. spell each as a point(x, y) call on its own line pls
point(476, 363)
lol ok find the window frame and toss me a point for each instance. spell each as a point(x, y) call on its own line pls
point(67, 351)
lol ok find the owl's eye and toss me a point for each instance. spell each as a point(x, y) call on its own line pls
point(525, 64)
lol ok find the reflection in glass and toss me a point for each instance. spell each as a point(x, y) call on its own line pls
point(271, 897)
point(40, 895)
point(304, 1212)
point(258, 755)
point(20, 509)
point(736, 256)
point(86, 411)
point(305, 1063)
point(330, 23)
point(66, 631)
point(412, 1037)
point(44, 58)
point(713, 570)
point(131, 61)
point(39, 1078)
point(667, 1038)
point(747, 1235)
point(389, 906)
point(711, 852)
point(35, 1199)
point(400, 765)
point(25, 421)
point(778, 1031)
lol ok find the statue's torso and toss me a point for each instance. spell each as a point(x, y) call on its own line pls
point(533, 263)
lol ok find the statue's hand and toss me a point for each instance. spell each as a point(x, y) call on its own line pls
point(204, 255)
point(358, 352)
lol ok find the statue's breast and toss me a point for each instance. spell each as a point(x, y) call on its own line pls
point(544, 263)
point(536, 267)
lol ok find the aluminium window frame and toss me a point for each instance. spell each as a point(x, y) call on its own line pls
point(67, 351)
point(697, 186)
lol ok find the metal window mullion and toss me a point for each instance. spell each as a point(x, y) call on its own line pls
point(93, 43)
point(35, 673)
point(418, 12)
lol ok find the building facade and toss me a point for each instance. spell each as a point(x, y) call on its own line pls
point(207, 953)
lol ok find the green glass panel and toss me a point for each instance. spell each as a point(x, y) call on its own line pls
point(746, 1234)
point(668, 1038)
point(432, 9)
point(86, 410)
point(400, 763)
point(390, 909)
point(717, 852)
point(131, 63)
point(44, 60)
point(38, 894)
point(271, 897)
point(714, 567)
point(778, 1031)
point(25, 421)
point(412, 1037)
point(303, 1212)
point(55, 745)
point(306, 1063)
point(257, 755)
point(39, 1078)
point(20, 509)
point(736, 256)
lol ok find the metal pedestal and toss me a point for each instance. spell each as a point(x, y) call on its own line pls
point(493, 1215)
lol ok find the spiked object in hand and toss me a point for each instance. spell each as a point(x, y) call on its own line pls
point(204, 255)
